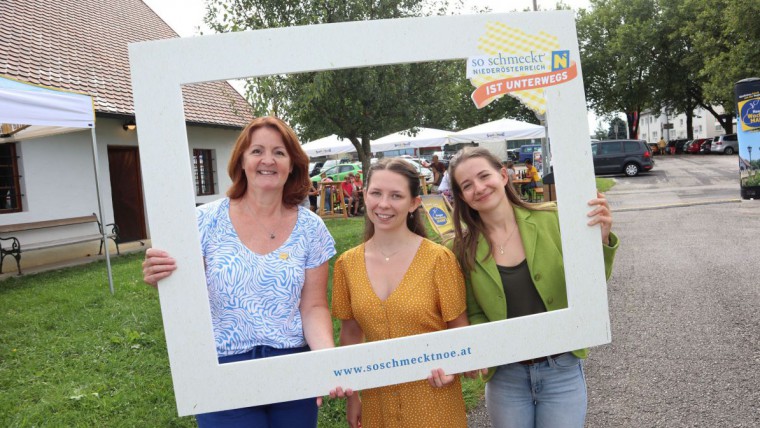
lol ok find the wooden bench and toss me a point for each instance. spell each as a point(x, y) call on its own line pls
point(538, 194)
point(14, 248)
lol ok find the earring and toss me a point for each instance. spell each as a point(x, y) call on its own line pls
point(411, 215)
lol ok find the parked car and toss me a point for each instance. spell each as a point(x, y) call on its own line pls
point(705, 146)
point(340, 172)
point(526, 152)
point(694, 146)
point(629, 157)
point(680, 144)
point(421, 170)
point(727, 144)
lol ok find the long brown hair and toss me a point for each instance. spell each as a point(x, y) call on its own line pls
point(468, 225)
point(296, 186)
point(406, 170)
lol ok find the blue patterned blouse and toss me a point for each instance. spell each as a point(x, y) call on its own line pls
point(254, 298)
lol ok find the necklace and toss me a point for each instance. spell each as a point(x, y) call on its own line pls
point(501, 247)
point(386, 256)
point(250, 212)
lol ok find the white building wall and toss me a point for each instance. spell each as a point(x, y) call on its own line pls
point(58, 179)
point(221, 141)
point(53, 178)
point(704, 125)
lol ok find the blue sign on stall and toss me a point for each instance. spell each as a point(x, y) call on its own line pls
point(747, 93)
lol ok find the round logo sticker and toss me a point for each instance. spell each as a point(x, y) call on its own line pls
point(438, 215)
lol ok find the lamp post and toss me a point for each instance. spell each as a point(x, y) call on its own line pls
point(749, 149)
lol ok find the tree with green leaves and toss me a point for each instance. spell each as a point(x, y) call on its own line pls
point(600, 133)
point(677, 84)
point(617, 52)
point(617, 129)
point(725, 34)
point(364, 103)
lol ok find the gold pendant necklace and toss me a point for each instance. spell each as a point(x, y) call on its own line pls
point(501, 247)
point(386, 256)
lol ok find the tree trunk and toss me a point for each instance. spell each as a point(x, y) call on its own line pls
point(690, 123)
point(633, 124)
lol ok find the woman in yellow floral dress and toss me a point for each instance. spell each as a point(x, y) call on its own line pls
point(398, 283)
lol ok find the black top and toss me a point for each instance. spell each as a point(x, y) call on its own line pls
point(521, 294)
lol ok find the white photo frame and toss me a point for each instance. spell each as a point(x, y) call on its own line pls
point(159, 68)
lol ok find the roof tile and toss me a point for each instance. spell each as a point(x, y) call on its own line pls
point(81, 45)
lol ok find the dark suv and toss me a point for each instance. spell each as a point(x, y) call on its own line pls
point(622, 156)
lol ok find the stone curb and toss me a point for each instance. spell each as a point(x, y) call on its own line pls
point(678, 205)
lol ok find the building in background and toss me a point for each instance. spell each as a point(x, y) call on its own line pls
point(82, 46)
point(653, 125)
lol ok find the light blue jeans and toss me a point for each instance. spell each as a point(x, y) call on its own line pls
point(550, 394)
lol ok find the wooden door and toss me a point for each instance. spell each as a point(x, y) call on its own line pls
point(126, 192)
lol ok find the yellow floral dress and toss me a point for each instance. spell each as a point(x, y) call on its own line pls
point(430, 294)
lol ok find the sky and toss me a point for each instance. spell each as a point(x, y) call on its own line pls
point(186, 17)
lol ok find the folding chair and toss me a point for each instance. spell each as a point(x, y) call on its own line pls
point(439, 211)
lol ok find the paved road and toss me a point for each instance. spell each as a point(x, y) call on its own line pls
point(680, 179)
point(684, 300)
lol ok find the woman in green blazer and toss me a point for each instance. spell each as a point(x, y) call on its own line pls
point(511, 254)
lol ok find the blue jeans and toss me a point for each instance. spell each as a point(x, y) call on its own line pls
point(296, 414)
point(328, 199)
point(550, 394)
point(527, 186)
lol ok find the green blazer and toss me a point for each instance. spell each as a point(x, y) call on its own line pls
point(543, 251)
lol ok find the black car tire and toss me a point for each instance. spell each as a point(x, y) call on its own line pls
point(729, 151)
point(631, 169)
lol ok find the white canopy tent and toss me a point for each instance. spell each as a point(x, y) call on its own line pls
point(498, 130)
point(330, 145)
point(29, 111)
point(424, 137)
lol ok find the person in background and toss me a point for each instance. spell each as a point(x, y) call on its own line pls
point(313, 194)
point(661, 146)
point(398, 283)
point(511, 173)
point(358, 194)
point(445, 187)
point(438, 169)
point(266, 263)
point(326, 182)
point(532, 174)
point(511, 255)
point(348, 194)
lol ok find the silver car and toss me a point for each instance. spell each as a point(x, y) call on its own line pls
point(727, 144)
point(421, 170)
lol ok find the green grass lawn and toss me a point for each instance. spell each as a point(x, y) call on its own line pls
point(71, 354)
point(604, 184)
